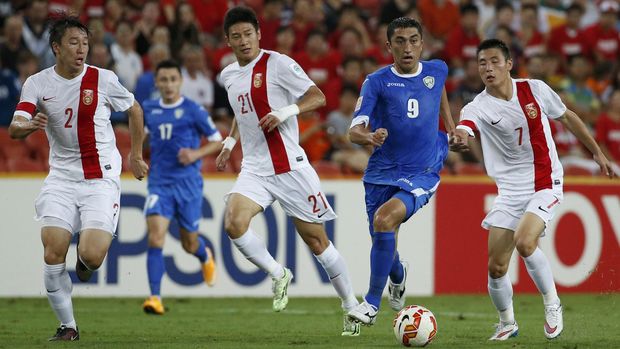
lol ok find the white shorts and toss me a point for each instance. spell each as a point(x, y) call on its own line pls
point(508, 209)
point(76, 206)
point(298, 192)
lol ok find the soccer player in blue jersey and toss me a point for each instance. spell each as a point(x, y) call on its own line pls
point(176, 125)
point(398, 113)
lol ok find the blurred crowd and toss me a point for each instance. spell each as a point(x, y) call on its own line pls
point(574, 46)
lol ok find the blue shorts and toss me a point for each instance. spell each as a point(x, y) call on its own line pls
point(181, 200)
point(413, 193)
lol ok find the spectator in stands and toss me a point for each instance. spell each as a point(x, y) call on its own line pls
point(285, 40)
point(614, 84)
point(12, 44)
point(145, 27)
point(128, 64)
point(98, 35)
point(508, 36)
point(468, 87)
point(608, 129)
point(270, 20)
point(350, 18)
point(312, 135)
point(393, 9)
point(351, 73)
point(318, 60)
point(184, 30)
point(568, 39)
point(576, 93)
point(463, 40)
point(9, 95)
point(113, 13)
point(197, 85)
point(210, 15)
point(145, 86)
point(370, 65)
point(441, 18)
point(302, 23)
point(99, 56)
point(350, 43)
point(532, 40)
point(343, 152)
point(535, 68)
point(379, 50)
point(35, 33)
point(602, 37)
point(27, 65)
point(505, 16)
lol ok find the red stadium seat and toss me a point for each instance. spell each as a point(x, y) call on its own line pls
point(208, 166)
point(327, 168)
point(21, 164)
point(39, 146)
point(576, 171)
point(470, 169)
point(3, 166)
point(123, 137)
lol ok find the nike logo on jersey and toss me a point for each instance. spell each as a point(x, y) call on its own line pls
point(45, 99)
point(322, 214)
point(496, 122)
point(542, 209)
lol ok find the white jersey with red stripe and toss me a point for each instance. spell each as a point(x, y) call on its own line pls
point(81, 138)
point(270, 82)
point(519, 152)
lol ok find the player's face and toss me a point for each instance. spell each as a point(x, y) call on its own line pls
point(168, 81)
point(73, 49)
point(405, 45)
point(243, 39)
point(493, 67)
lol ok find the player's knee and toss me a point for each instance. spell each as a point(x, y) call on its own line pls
point(497, 270)
point(525, 247)
point(189, 245)
point(92, 257)
point(235, 226)
point(316, 244)
point(383, 222)
point(53, 257)
point(156, 240)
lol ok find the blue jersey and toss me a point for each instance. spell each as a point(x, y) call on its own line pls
point(408, 107)
point(172, 127)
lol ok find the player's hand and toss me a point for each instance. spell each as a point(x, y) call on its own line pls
point(378, 137)
point(605, 164)
point(458, 141)
point(222, 159)
point(187, 156)
point(269, 122)
point(139, 168)
point(39, 121)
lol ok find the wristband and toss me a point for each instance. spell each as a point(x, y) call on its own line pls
point(286, 112)
point(229, 143)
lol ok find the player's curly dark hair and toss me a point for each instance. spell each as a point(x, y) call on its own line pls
point(60, 25)
point(495, 43)
point(240, 14)
point(403, 22)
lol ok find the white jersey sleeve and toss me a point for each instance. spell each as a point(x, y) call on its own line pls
point(469, 120)
point(119, 98)
point(291, 77)
point(551, 104)
point(28, 100)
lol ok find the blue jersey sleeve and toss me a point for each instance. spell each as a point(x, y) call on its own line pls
point(366, 102)
point(205, 125)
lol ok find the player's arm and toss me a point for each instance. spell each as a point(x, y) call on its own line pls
point(313, 99)
point(572, 122)
point(21, 127)
point(444, 111)
point(360, 134)
point(228, 145)
point(136, 129)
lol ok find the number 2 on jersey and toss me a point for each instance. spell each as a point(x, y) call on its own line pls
point(413, 108)
point(242, 99)
point(313, 200)
point(69, 114)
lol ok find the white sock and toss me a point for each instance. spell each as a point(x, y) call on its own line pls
point(500, 290)
point(539, 269)
point(254, 249)
point(336, 269)
point(59, 286)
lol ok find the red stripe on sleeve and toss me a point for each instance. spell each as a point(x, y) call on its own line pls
point(260, 100)
point(538, 140)
point(27, 107)
point(469, 124)
point(86, 124)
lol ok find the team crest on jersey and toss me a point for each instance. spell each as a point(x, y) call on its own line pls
point(258, 80)
point(429, 81)
point(178, 113)
point(531, 111)
point(87, 97)
point(358, 105)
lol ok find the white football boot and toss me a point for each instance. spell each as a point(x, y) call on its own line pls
point(505, 331)
point(396, 292)
point(280, 290)
point(554, 323)
point(350, 327)
point(364, 313)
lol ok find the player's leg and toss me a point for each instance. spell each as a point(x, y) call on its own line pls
point(500, 247)
point(58, 285)
point(195, 244)
point(531, 227)
point(157, 227)
point(92, 248)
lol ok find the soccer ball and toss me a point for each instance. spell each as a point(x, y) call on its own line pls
point(415, 326)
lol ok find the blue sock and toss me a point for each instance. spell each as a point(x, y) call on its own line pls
point(397, 273)
point(201, 253)
point(381, 258)
point(155, 269)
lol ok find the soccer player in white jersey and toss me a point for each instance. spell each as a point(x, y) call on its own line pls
point(72, 102)
point(511, 117)
point(267, 90)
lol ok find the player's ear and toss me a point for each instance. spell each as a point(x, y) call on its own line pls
point(509, 64)
point(389, 46)
point(258, 34)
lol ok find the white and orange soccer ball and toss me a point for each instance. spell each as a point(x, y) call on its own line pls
point(415, 326)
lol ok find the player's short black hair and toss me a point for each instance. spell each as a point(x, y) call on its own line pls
point(61, 24)
point(469, 8)
point(402, 22)
point(166, 64)
point(240, 14)
point(351, 89)
point(575, 7)
point(494, 43)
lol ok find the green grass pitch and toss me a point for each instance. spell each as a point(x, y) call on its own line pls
point(590, 321)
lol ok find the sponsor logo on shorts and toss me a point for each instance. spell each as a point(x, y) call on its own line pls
point(299, 158)
point(108, 167)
